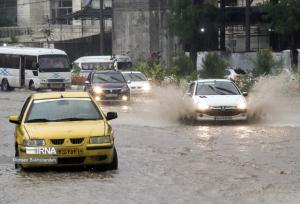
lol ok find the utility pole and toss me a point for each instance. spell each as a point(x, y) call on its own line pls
point(248, 24)
point(102, 31)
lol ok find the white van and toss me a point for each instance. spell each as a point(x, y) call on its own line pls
point(90, 63)
point(34, 68)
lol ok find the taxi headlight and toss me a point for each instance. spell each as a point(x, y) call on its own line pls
point(202, 106)
point(97, 90)
point(100, 140)
point(242, 105)
point(33, 143)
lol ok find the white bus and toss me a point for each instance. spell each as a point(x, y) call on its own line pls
point(90, 63)
point(34, 68)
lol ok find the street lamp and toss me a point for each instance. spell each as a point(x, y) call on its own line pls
point(4, 44)
point(202, 30)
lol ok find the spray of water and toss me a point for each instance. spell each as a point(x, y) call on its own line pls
point(163, 107)
point(273, 100)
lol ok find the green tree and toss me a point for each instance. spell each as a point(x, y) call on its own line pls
point(283, 17)
point(181, 67)
point(5, 22)
point(151, 67)
point(264, 62)
point(186, 20)
point(213, 66)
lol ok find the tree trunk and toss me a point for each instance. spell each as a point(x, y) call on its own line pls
point(294, 52)
point(193, 55)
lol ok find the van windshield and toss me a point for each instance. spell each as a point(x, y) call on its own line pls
point(54, 63)
point(96, 65)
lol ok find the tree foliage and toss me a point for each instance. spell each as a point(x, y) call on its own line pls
point(264, 62)
point(283, 17)
point(151, 67)
point(181, 67)
point(5, 22)
point(213, 66)
point(186, 20)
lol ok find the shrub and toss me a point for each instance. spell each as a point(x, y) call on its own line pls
point(264, 63)
point(245, 83)
point(182, 68)
point(213, 66)
point(151, 67)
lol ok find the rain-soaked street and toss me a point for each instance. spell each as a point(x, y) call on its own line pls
point(164, 161)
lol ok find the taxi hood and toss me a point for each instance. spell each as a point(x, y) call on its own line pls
point(73, 129)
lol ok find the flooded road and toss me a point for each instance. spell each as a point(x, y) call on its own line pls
point(164, 161)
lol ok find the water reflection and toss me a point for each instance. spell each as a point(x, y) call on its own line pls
point(69, 174)
point(243, 132)
point(205, 138)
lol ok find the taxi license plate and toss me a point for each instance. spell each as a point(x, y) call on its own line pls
point(68, 152)
point(223, 118)
point(111, 95)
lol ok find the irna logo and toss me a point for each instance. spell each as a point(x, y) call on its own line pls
point(41, 150)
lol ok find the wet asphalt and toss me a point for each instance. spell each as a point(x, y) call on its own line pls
point(164, 161)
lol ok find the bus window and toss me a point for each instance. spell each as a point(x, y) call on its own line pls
point(2, 60)
point(14, 62)
point(30, 63)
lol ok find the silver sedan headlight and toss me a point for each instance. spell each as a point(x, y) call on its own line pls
point(33, 143)
point(100, 139)
point(147, 87)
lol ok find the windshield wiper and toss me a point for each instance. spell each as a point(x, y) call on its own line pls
point(102, 79)
point(216, 91)
point(37, 120)
point(227, 90)
point(116, 79)
point(140, 78)
point(74, 119)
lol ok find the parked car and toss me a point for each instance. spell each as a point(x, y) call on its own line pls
point(216, 99)
point(137, 82)
point(107, 85)
point(63, 129)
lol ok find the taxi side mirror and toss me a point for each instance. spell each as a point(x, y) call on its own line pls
point(111, 115)
point(15, 120)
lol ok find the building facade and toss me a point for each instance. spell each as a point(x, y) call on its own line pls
point(140, 29)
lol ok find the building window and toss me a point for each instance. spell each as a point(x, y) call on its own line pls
point(231, 3)
point(61, 8)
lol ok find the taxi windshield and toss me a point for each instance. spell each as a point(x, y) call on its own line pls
point(64, 109)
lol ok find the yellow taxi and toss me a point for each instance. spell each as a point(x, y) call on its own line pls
point(63, 129)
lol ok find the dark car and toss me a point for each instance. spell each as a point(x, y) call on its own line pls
point(107, 86)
